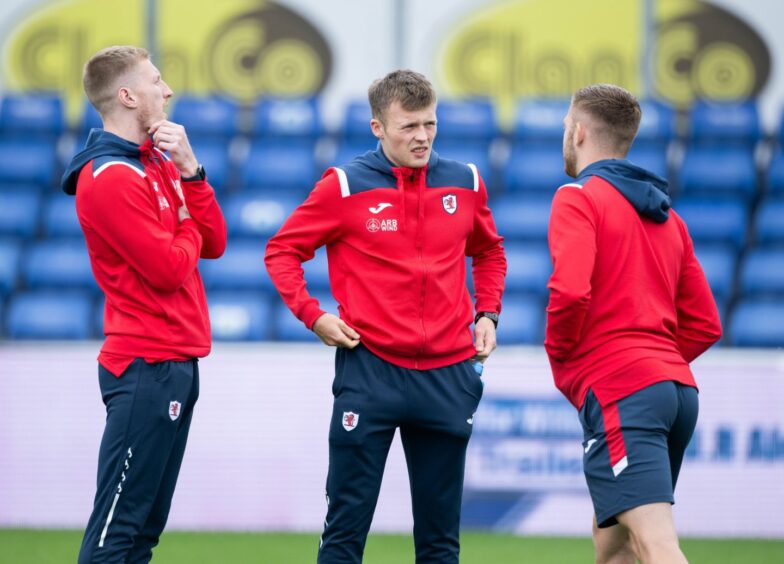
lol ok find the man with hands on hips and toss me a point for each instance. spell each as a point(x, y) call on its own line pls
point(147, 217)
point(398, 223)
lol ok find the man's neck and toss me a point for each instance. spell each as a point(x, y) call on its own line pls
point(129, 132)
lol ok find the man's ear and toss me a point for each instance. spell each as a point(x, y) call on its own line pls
point(126, 97)
point(580, 132)
point(377, 128)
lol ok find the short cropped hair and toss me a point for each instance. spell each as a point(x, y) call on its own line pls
point(615, 109)
point(411, 89)
point(104, 68)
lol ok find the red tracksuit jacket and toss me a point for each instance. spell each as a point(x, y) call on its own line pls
point(629, 303)
point(396, 242)
point(142, 257)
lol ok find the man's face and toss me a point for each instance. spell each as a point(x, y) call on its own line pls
point(406, 136)
point(152, 92)
point(569, 149)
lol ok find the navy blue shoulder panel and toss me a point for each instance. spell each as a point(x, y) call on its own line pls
point(98, 162)
point(450, 174)
point(362, 178)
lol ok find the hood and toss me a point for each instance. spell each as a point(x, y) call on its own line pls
point(646, 191)
point(99, 144)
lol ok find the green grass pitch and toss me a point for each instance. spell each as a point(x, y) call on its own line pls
point(25, 546)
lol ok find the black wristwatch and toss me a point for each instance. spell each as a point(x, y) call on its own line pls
point(200, 175)
point(492, 316)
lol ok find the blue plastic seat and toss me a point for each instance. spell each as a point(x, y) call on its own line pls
point(651, 157)
point(289, 328)
point(59, 217)
point(317, 272)
point(758, 323)
point(476, 153)
point(258, 213)
point(719, 263)
point(522, 320)
point(769, 220)
point(762, 273)
point(90, 119)
point(718, 171)
point(280, 166)
point(776, 173)
point(27, 160)
point(240, 316)
point(522, 216)
point(58, 264)
point(348, 150)
point(297, 118)
point(535, 168)
point(711, 220)
point(356, 123)
point(19, 212)
point(214, 155)
point(657, 125)
point(528, 268)
point(208, 117)
point(26, 115)
point(466, 120)
point(541, 121)
point(50, 315)
point(240, 268)
point(735, 123)
point(10, 253)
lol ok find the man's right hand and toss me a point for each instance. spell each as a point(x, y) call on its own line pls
point(334, 332)
point(182, 213)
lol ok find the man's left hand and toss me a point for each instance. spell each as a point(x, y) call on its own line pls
point(484, 335)
point(171, 137)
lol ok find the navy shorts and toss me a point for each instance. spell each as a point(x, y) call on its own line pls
point(633, 448)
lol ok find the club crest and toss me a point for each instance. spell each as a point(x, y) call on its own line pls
point(450, 203)
point(350, 420)
point(174, 410)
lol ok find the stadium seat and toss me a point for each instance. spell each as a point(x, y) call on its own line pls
point(348, 150)
point(258, 214)
point(769, 220)
point(535, 168)
point(50, 315)
point(214, 155)
point(281, 166)
point(240, 316)
point(206, 118)
point(651, 157)
point(19, 211)
point(712, 220)
point(58, 264)
point(657, 125)
point(317, 272)
point(757, 323)
point(293, 118)
point(289, 328)
point(466, 120)
point(37, 115)
point(356, 123)
point(522, 320)
point(27, 161)
point(240, 268)
point(775, 178)
point(90, 119)
point(529, 268)
point(59, 217)
point(540, 121)
point(718, 171)
point(522, 217)
point(724, 123)
point(476, 153)
point(762, 273)
point(719, 264)
point(10, 253)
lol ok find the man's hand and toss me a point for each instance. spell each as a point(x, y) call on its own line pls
point(182, 213)
point(484, 336)
point(334, 332)
point(171, 137)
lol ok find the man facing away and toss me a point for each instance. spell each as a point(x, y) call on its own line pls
point(147, 217)
point(629, 309)
point(398, 223)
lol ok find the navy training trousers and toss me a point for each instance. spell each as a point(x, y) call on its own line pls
point(148, 415)
point(434, 410)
